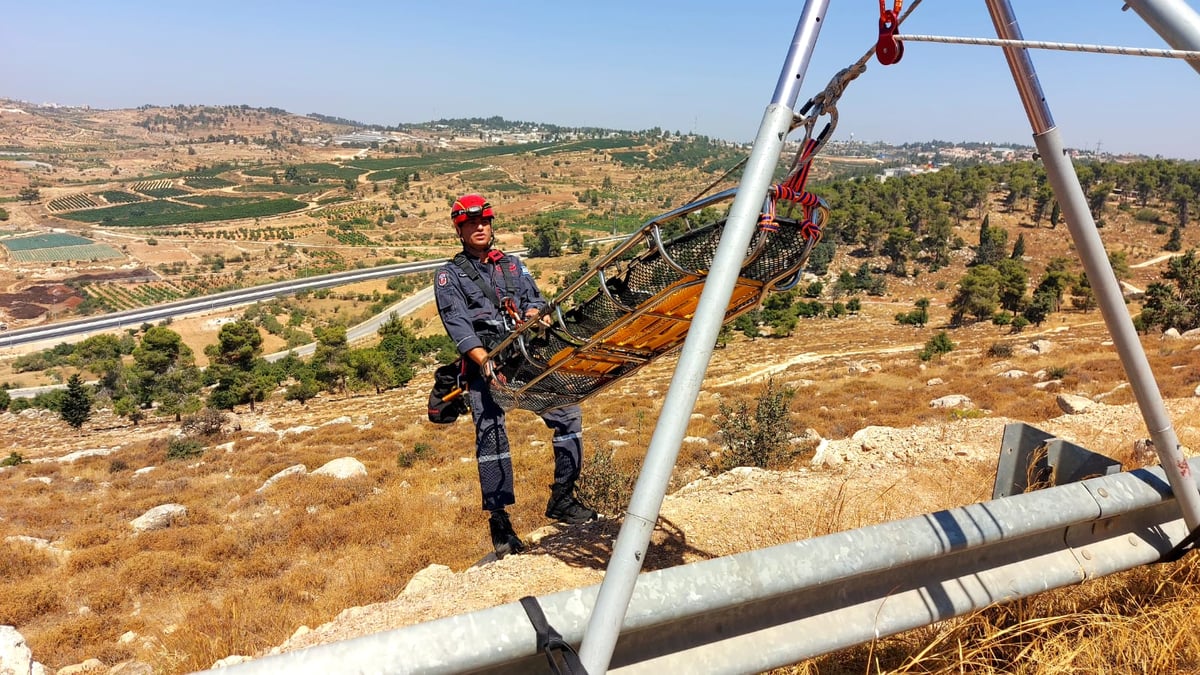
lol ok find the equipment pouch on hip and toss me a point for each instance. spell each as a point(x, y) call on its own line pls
point(446, 400)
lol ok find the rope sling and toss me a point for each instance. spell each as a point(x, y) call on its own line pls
point(636, 303)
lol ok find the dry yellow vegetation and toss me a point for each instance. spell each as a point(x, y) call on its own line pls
point(246, 566)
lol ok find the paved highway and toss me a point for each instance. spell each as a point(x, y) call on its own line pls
point(135, 317)
point(58, 332)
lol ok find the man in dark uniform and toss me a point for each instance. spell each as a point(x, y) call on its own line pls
point(467, 290)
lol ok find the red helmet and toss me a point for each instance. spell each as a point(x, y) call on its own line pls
point(468, 206)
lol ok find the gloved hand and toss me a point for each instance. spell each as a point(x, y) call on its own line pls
point(532, 313)
point(491, 374)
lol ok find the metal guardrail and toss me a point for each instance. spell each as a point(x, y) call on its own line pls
point(768, 608)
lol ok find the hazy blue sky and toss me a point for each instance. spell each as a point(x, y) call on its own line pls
point(707, 67)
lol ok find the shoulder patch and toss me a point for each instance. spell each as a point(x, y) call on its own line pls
point(442, 278)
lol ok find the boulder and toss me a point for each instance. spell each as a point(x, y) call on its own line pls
point(88, 666)
point(342, 468)
point(159, 517)
point(15, 655)
point(952, 401)
point(1074, 405)
point(84, 454)
point(293, 470)
point(427, 578)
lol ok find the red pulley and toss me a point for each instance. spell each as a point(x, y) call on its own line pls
point(888, 49)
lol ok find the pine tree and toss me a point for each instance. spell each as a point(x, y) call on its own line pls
point(76, 405)
point(1019, 248)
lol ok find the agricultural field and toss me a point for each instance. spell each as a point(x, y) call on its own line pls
point(286, 189)
point(218, 200)
point(111, 297)
point(120, 197)
point(308, 172)
point(67, 253)
point(164, 193)
point(44, 241)
point(207, 182)
point(161, 212)
point(345, 233)
point(57, 248)
point(72, 203)
point(146, 185)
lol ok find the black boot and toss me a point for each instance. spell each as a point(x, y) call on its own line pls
point(565, 508)
point(504, 540)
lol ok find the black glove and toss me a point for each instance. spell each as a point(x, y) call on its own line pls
point(491, 374)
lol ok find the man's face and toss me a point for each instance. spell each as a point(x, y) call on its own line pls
point(476, 231)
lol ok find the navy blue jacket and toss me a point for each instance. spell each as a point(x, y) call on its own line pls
point(465, 309)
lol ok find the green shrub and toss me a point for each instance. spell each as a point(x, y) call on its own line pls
point(407, 458)
point(207, 422)
point(1001, 350)
point(1057, 372)
point(184, 448)
point(605, 486)
point(14, 458)
point(1146, 215)
point(758, 438)
point(936, 346)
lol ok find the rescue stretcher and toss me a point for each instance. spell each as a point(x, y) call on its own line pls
point(636, 303)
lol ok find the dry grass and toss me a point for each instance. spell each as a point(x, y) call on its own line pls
point(1140, 621)
point(246, 568)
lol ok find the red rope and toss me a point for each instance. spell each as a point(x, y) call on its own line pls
point(792, 190)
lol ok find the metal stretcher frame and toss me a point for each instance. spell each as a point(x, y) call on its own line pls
point(643, 305)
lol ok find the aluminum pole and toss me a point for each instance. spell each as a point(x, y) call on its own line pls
point(1068, 192)
point(629, 551)
point(1174, 20)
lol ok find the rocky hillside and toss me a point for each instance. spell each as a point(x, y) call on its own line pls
point(875, 474)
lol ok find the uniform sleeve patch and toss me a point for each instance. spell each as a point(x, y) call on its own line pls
point(442, 278)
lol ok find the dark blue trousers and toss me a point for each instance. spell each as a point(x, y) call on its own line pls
point(493, 454)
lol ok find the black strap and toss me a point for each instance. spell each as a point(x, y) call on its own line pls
point(1181, 549)
point(489, 291)
point(562, 656)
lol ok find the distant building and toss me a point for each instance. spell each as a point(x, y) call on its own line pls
point(362, 138)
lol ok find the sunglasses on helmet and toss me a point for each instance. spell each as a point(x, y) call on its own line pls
point(469, 212)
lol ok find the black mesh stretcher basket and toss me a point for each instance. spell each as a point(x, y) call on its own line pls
point(637, 302)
